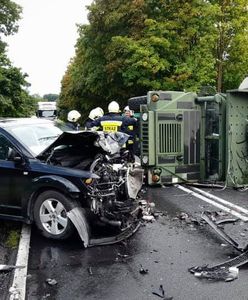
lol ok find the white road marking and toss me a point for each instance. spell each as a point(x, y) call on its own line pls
point(18, 288)
point(229, 210)
point(213, 197)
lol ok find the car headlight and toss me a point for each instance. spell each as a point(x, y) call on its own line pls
point(144, 116)
point(145, 159)
point(88, 181)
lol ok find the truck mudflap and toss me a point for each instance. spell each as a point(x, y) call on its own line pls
point(227, 270)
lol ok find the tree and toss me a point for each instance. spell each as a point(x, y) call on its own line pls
point(50, 97)
point(132, 46)
point(232, 42)
point(9, 15)
point(14, 99)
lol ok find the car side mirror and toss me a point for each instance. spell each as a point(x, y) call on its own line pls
point(15, 156)
point(18, 159)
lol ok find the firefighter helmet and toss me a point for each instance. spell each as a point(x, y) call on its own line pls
point(73, 116)
point(96, 113)
point(113, 107)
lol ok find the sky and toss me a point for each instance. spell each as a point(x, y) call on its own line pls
point(45, 41)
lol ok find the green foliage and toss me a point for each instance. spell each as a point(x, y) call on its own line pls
point(13, 239)
point(132, 46)
point(10, 233)
point(14, 99)
point(50, 97)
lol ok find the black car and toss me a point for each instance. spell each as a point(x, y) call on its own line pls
point(60, 179)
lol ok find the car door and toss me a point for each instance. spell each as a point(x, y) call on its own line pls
point(12, 179)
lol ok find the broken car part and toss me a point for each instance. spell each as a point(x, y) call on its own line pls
point(227, 270)
point(220, 231)
point(226, 274)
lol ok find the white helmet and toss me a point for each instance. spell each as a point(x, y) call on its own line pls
point(99, 112)
point(96, 113)
point(73, 116)
point(113, 107)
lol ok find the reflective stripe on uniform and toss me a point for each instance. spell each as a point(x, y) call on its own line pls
point(130, 127)
point(111, 126)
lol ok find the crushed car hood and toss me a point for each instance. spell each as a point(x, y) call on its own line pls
point(69, 138)
point(89, 140)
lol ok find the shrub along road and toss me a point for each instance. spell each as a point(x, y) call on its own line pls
point(9, 238)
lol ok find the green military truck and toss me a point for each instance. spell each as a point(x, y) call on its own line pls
point(185, 137)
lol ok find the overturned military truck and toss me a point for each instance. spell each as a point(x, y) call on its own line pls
point(185, 137)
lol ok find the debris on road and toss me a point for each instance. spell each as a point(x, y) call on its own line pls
point(147, 210)
point(188, 219)
point(148, 218)
point(222, 273)
point(51, 281)
point(210, 221)
point(223, 221)
point(143, 271)
point(90, 271)
point(227, 271)
point(7, 268)
point(161, 293)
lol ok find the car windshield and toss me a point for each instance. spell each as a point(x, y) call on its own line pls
point(36, 137)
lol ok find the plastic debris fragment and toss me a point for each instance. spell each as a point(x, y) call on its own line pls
point(143, 271)
point(226, 274)
point(51, 281)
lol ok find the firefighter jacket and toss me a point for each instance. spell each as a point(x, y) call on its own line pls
point(130, 128)
point(88, 123)
point(112, 122)
point(72, 125)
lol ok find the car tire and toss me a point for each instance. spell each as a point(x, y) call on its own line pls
point(50, 215)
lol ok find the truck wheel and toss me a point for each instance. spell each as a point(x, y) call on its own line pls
point(134, 103)
point(50, 215)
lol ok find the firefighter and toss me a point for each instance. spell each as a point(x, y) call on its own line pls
point(93, 115)
point(128, 112)
point(113, 121)
point(131, 129)
point(72, 118)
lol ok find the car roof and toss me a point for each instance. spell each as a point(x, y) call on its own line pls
point(9, 122)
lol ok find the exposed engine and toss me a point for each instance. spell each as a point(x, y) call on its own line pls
point(112, 196)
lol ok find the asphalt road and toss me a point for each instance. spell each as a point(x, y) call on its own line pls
point(166, 248)
point(7, 256)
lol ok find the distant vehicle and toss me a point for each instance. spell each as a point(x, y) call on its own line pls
point(46, 109)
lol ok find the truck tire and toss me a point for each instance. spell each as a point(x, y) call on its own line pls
point(135, 102)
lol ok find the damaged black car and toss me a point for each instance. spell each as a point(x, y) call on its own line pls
point(63, 181)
